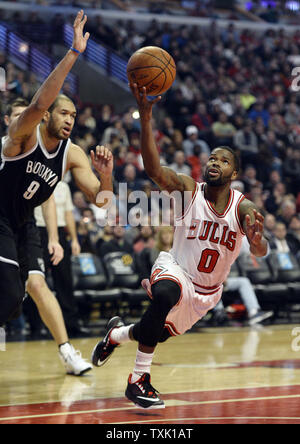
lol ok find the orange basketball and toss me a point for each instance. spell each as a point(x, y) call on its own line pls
point(152, 67)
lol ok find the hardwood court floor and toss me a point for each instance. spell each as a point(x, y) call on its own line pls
point(230, 375)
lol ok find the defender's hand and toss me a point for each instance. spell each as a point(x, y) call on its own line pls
point(102, 160)
point(80, 40)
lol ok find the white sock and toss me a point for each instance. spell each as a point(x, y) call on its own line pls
point(253, 312)
point(120, 334)
point(65, 348)
point(143, 363)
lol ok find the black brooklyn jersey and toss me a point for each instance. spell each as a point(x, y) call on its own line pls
point(28, 180)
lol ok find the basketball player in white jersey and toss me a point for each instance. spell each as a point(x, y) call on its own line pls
point(186, 282)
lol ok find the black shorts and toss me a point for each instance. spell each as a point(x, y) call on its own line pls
point(22, 248)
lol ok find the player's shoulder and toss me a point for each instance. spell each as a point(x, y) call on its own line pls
point(245, 206)
point(75, 148)
point(76, 155)
point(189, 183)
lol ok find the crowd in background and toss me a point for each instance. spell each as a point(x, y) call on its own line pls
point(232, 88)
point(272, 11)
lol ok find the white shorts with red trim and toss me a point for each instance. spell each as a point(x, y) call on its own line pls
point(192, 305)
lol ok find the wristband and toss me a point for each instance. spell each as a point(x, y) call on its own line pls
point(75, 50)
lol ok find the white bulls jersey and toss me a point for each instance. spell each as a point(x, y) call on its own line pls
point(206, 243)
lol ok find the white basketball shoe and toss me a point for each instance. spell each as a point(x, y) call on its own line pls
point(73, 361)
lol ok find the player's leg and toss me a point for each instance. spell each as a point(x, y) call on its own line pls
point(11, 291)
point(148, 332)
point(63, 283)
point(47, 304)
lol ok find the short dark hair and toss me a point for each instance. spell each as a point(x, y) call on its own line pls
point(19, 101)
point(235, 156)
point(56, 101)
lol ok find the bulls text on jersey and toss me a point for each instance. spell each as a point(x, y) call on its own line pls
point(211, 231)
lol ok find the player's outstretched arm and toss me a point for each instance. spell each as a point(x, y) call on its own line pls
point(99, 192)
point(253, 224)
point(23, 127)
point(164, 177)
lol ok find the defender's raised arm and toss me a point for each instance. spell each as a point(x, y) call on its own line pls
point(23, 127)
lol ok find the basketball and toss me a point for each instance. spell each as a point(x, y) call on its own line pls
point(152, 67)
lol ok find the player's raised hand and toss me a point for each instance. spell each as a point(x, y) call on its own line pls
point(80, 40)
point(144, 104)
point(254, 231)
point(102, 160)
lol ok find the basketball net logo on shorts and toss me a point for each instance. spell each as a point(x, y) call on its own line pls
point(41, 264)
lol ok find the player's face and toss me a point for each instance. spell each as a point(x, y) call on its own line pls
point(61, 120)
point(16, 112)
point(220, 168)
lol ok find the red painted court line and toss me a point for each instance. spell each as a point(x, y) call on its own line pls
point(254, 405)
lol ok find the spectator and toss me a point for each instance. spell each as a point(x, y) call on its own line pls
point(117, 243)
point(130, 177)
point(244, 287)
point(286, 211)
point(258, 111)
point(280, 242)
point(291, 169)
point(145, 238)
point(193, 140)
point(202, 119)
point(249, 179)
point(147, 257)
point(115, 131)
point(245, 141)
point(93, 230)
point(195, 163)
point(179, 165)
point(246, 98)
point(223, 131)
point(274, 201)
point(80, 204)
point(269, 226)
point(293, 234)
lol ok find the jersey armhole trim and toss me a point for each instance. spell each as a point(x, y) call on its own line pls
point(64, 164)
point(194, 194)
point(19, 156)
point(237, 214)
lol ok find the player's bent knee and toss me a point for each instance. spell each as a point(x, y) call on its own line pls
point(166, 293)
point(165, 335)
point(35, 285)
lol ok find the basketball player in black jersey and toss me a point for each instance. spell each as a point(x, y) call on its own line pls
point(31, 257)
point(35, 156)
